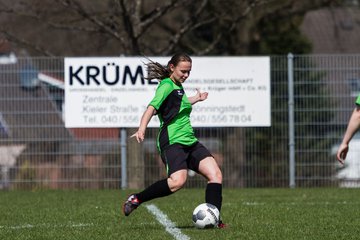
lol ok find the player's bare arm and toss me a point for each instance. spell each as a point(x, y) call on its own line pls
point(145, 119)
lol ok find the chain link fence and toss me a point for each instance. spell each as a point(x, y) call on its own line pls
point(37, 151)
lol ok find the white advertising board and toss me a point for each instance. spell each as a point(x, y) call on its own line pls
point(111, 91)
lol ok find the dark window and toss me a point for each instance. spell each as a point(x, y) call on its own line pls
point(4, 130)
point(354, 84)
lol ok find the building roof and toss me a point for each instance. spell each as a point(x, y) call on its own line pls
point(336, 32)
point(333, 30)
point(27, 111)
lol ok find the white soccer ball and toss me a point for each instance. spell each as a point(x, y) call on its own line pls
point(205, 215)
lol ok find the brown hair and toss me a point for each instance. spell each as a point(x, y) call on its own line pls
point(157, 71)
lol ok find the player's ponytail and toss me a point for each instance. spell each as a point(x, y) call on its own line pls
point(157, 71)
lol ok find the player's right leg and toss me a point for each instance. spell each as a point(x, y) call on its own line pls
point(174, 157)
point(161, 188)
point(156, 190)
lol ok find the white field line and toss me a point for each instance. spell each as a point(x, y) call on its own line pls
point(167, 223)
point(46, 225)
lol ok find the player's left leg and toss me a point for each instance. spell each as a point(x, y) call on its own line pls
point(211, 171)
point(209, 168)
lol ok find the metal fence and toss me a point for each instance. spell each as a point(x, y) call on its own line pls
point(309, 117)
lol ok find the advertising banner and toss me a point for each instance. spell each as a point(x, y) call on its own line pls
point(112, 92)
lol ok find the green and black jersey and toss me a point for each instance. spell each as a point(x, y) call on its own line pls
point(173, 109)
point(358, 101)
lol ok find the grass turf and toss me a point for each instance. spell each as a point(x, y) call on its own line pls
point(251, 214)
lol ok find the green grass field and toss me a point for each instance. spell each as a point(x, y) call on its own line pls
point(251, 214)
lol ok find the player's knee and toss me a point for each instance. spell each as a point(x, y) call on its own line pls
point(176, 183)
point(215, 176)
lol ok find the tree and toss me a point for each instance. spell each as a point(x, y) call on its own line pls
point(280, 35)
point(135, 27)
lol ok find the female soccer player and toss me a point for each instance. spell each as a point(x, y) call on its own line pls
point(179, 148)
point(353, 126)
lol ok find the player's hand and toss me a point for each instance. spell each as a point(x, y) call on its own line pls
point(342, 152)
point(139, 135)
point(201, 95)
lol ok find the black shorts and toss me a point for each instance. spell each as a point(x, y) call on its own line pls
point(177, 157)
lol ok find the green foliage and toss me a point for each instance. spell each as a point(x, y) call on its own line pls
point(25, 176)
point(270, 150)
point(280, 35)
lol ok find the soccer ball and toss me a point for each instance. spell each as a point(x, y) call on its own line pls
point(206, 215)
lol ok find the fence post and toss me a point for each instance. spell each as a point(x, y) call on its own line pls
point(291, 120)
point(123, 158)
